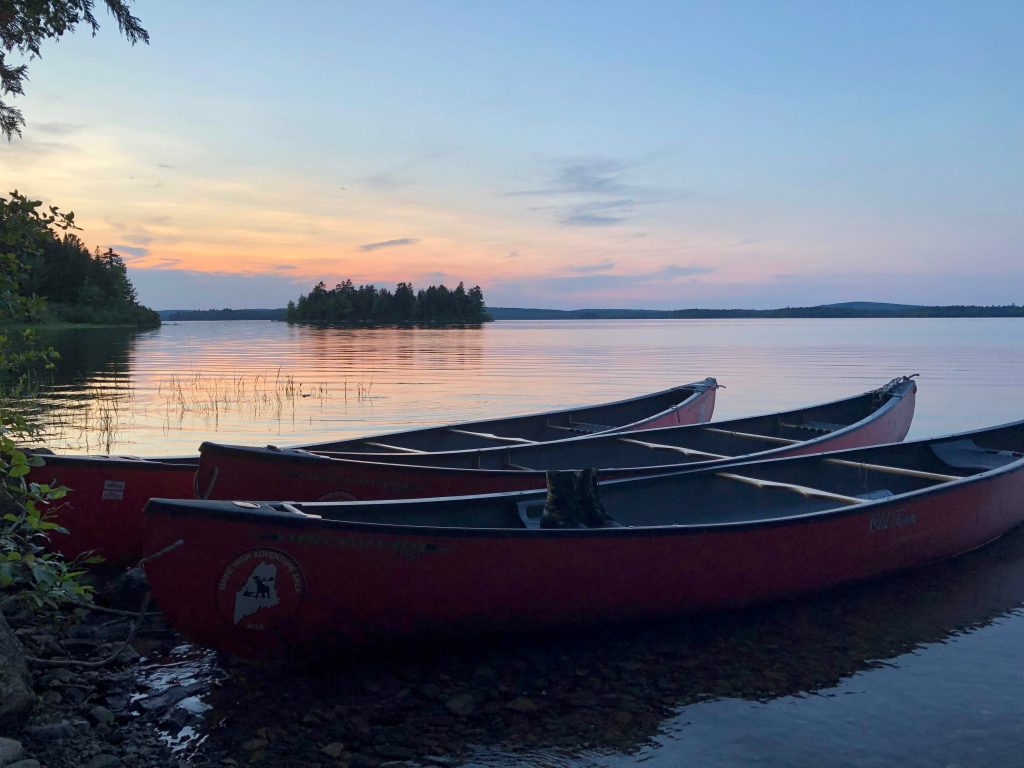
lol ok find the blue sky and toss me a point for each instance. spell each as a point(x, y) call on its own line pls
point(558, 154)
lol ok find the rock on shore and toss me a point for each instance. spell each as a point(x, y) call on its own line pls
point(16, 696)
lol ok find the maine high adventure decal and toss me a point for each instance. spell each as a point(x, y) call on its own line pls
point(260, 589)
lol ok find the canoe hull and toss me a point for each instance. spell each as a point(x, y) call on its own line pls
point(343, 583)
point(230, 473)
point(103, 510)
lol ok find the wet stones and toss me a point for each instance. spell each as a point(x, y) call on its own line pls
point(104, 760)
point(334, 749)
point(10, 751)
point(461, 705)
point(16, 696)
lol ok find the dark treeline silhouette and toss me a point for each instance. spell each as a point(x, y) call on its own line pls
point(224, 314)
point(84, 287)
point(367, 304)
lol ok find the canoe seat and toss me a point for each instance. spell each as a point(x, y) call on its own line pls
point(530, 512)
point(967, 454)
point(881, 493)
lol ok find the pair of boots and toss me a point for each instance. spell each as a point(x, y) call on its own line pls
point(572, 500)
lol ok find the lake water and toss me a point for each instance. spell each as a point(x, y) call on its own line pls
point(924, 669)
point(162, 392)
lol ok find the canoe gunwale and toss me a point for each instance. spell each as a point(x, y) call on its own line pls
point(640, 437)
point(222, 510)
point(698, 389)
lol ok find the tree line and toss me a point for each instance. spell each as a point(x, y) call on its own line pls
point(369, 305)
point(44, 259)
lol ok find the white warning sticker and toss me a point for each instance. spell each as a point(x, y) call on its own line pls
point(113, 490)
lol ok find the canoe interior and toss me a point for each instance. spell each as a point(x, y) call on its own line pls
point(557, 425)
point(739, 493)
point(660, 447)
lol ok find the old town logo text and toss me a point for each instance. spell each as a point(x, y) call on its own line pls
point(892, 518)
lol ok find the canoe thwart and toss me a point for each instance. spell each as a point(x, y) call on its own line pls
point(803, 490)
point(676, 448)
point(388, 447)
point(751, 436)
point(488, 436)
point(918, 473)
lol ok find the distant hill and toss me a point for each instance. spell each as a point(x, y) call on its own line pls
point(874, 306)
point(522, 313)
point(850, 309)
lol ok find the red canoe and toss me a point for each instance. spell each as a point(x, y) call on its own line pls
point(260, 579)
point(103, 511)
point(882, 415)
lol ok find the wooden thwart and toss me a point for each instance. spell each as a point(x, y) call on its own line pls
point(801, 489)
point(489, 436)
point(395, 448)
point(750, 436)
point(676, 448)
point(895, 470)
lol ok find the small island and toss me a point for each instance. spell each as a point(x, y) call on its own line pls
point(346, 304)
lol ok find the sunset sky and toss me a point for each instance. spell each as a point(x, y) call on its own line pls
point(559, 154)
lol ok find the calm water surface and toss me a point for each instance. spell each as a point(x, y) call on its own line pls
point(256, 382)
point(926, 669)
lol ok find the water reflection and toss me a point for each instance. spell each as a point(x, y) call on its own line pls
point(258, 382)
point(629, 694)
point(86, 402)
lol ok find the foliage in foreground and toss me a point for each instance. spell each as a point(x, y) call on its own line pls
point(26, 24)
point(345, 303)
point(41, 258)
point(29, 573)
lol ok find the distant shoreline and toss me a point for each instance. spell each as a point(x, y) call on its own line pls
point(861, 309)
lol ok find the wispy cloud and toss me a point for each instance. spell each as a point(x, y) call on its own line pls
point(165, 165)
point(27, 153)
point(389, 244)
point(589, 177)
point(675, 270)
point(399, 174)
point(133, 251)
point(57, 128)
point(595, 192)
point(432, 278)
point(587, 268)
point(602, 214)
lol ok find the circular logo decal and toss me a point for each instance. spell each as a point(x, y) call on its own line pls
point(338, 496)
point(260, 589)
